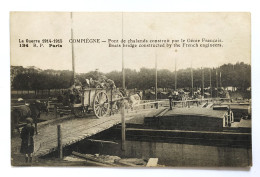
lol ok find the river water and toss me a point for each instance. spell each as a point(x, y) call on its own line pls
point(172, 154)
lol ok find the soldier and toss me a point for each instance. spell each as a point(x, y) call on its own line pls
point(27, 145)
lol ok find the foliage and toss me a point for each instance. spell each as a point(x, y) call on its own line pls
point(236, 75)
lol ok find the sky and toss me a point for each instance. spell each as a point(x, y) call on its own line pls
point(234, 29)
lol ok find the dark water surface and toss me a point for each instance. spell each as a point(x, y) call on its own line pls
point(172, 154)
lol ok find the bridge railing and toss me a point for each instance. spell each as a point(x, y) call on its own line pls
point(150, 104)
point(188, 103)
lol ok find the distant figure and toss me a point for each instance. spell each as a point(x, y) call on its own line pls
point(27, 145)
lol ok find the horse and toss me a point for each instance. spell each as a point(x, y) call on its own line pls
point(135, 99)
point(69, 97)
point(19, 114)
point(132, 99)
point(36, 108)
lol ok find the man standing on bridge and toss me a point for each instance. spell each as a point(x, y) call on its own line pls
point(27, 145)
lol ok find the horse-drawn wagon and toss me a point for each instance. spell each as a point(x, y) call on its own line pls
point(103, 102)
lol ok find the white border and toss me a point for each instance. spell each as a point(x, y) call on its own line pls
point(129, 6)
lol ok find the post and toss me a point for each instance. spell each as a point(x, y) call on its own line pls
point(155, 77)
point(157, 105)
point(170, 102)
point(111, 102)
point(191, 70)
point(210, 83)
point(175, 85)
point(123, 127)
point(72, 49)
point(123, 105)
point(229, 116)
point(217, 82)
point(220, 83)
point(123, 62)
point(60, 153)
point(202, 84)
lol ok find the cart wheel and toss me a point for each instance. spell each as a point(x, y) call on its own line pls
point(78, 112)
point(101, 104)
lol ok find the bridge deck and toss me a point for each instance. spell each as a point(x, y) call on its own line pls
point(74, 130)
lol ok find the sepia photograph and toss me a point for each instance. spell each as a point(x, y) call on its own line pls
point(130, 89)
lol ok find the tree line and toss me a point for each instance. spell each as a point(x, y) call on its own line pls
point(235, 75)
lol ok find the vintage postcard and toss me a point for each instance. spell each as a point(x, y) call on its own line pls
point(122, 89)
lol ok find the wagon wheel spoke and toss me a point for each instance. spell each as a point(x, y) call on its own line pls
point(98, 97)
point(97, 108)
point(100, 104)
point(98, 112)
point(101, 97)
point(106, 104)
point(104, 109)
point(101, 111)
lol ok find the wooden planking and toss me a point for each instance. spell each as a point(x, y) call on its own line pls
point(74, 130)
